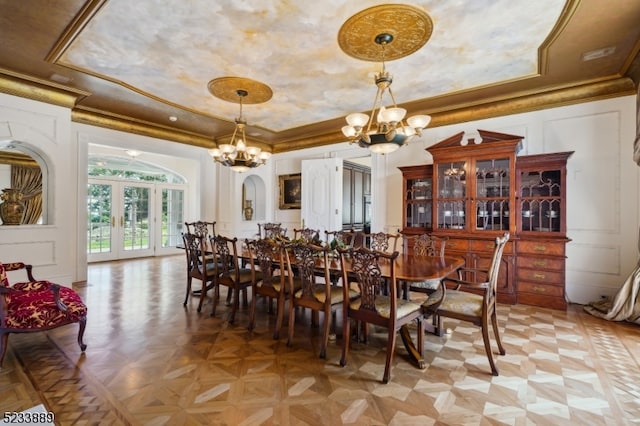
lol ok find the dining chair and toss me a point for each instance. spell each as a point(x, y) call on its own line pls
point(460, 303)
point(361, 268)
point(308, 235)
point(199, 265)
point(201, 228)
point(382, 241)
point(228, 272)
point(271, 230)
point(340, 238)
point(310, 284)
point(422, 245)
point(268, 278)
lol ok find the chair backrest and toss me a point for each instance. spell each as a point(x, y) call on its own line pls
point(301, 260)
point(267, 256)
point(426, 245)
point(494, 269)
point(341, 238)
point(225, 253)
point(201, 228)
point(363, 265)
point(307, 235)
point(382, 241)
point(271, 230)
point(196, 248)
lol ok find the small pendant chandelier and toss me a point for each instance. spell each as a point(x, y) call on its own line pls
point(237, 154)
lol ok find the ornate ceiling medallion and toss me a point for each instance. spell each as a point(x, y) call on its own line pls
point(226, 88)
point(409, 26)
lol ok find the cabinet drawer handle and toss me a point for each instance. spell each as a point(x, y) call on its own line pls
point(538, 289)
point(539, 276)
point(540, 248)
point(539, 263)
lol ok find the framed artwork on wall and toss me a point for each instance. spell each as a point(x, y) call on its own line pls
point(290, 191)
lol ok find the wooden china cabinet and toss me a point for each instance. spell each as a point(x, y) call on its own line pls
point(478, 189)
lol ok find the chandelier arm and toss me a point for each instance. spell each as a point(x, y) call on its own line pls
point(376, 101)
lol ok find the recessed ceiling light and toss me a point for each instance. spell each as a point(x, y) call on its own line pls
point(173, 118)
point(60, 78)
point(598, 53)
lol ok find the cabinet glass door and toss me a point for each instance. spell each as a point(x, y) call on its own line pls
point(452, 192)
point(492, 208)
point(541, 200)
point(419, 201)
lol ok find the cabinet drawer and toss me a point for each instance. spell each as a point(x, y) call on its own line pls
point(541, 247)
point(541, 289)
point(541, 263)
point(539, 276)
point(488, 246)
point(456, 244)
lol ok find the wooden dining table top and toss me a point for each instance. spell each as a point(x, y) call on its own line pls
point(407, 266)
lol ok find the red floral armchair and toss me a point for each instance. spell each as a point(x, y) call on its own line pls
point(36, 305)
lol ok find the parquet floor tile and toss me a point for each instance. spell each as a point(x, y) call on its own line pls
point(150, 361)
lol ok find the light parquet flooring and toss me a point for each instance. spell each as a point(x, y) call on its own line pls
point(150, 361)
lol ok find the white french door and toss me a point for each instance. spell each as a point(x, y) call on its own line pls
point(120, 220)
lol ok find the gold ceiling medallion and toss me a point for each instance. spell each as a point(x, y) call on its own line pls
point(237, 154)
point(409, 26)
point(226, 88)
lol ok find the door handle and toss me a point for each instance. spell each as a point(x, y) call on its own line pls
point(121, 221)
point(113, 221)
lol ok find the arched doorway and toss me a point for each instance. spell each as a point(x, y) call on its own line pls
point(134, 208)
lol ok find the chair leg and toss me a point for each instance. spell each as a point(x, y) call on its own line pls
point(203, 294)
point(83, 325)
point(487, 348)
point(252, 310)
point(496, 332)
point(391, 344)
point(4, 338)
point(279, 318)
point(292, 321)
point(216, 299)
point(186, 297)
point(236, 305)
point(346, 336)
point(326, 325)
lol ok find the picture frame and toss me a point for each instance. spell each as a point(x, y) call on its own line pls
point(290, 191)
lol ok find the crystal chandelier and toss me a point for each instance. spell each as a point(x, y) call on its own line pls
point(386, 129)
point(236, 154)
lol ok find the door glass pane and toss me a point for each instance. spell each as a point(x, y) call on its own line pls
point(172, 217)
point(452, 191)
point(136, 218)
point(99, 215)
point(492, 194)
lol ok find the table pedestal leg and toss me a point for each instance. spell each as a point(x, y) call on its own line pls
point(411, 347)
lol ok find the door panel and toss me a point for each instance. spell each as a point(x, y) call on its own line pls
point(322, 194)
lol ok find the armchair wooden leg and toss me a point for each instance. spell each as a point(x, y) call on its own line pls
point(4, 338)
point(496, 332)
point(83, 325)
point(391, 344)
point(487, 348)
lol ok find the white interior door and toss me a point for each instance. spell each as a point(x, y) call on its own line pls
point(321, 206)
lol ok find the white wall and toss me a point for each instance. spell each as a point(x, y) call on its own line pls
point(44, 130)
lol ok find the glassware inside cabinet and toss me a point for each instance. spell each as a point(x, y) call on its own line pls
point(452, 190)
